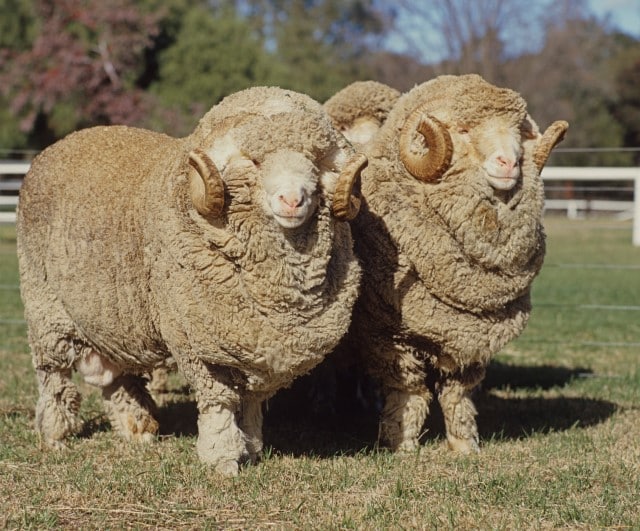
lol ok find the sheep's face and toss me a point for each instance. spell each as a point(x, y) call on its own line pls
point(363, 129)
point(498, 144)
point(290, 183)
point(281, 164)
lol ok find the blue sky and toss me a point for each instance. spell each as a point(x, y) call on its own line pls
point(625, 14)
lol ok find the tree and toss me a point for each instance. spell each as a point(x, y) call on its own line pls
point(464, 36)
point(214, 54)
point(319, 45)
point(17, 31)
point(80, 69)
point(571, 78)
point(627, 106)
point(17, 24)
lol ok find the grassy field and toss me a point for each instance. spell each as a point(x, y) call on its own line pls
point(559, 416)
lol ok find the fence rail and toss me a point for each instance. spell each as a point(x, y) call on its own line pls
point(601, 173)
point(11, 173)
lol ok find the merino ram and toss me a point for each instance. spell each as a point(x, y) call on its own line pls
point(450, 238)
point(359, 110)
point(227, 250)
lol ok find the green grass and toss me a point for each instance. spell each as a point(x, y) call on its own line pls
point(559, 416)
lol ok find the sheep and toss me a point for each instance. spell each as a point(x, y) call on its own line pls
point(227, 251)
point(360, 109)
point(450, 238)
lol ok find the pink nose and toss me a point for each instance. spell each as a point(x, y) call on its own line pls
point(506, 163)
point(291, 200)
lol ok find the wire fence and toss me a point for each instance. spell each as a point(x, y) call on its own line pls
point(576, 307)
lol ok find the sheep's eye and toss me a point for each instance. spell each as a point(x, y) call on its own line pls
point(463, 130)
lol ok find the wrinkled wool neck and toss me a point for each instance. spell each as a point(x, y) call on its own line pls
point(498, 235)
point(284, 270)
point(470, 249)
point(248, 254)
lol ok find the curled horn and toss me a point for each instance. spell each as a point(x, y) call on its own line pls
point(553, 135)
point(430, 167)
point(207, 192)
point(346, 203)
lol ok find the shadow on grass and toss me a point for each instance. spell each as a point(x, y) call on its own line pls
point(345, 425)
point(520, 418)
point(178, 417)
point(90, 427)
point(534, 377)
point(324, 414)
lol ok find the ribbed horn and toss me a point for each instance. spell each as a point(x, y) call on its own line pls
point(346, 202)
point(430, 167)
point(553, 135)
point(207, 191)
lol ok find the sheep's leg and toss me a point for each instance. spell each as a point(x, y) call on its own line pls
point(131, 408)
point(251, 425)
point(459, 416)
point(51, 338)
point(57, 407)
point(159, 380)
point(402, 418)
point(220, 440)
point(128, 402)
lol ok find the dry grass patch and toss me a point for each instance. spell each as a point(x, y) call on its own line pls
point(559, 421)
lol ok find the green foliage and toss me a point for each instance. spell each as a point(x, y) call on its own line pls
point(162, 63)
point(597, 128)
point(212, 56)
point(17, 24)
point(320, 45)
point(11, 137)
point(627, 107)
point(17, 31)
point(79, 70)
point(308, 63)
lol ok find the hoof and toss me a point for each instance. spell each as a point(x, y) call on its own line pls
point(463, 446)
point(140, 428)
point(408, 446)
point(228, 469)
point(55, 444)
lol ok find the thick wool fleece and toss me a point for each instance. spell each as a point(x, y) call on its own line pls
point(361, 99)
point(447, 266)
point(115, 259)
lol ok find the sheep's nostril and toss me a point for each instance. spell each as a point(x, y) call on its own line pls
point(505, 162)
point(292, 200)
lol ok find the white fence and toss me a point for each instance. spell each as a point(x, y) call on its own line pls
point(10, 186)
point(16, 169)
point(601, 173)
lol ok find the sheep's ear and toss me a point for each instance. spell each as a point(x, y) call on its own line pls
point(529, 129)
point(553, 135)
point(207, 187)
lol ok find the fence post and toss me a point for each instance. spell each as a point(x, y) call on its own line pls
point(636, 210)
